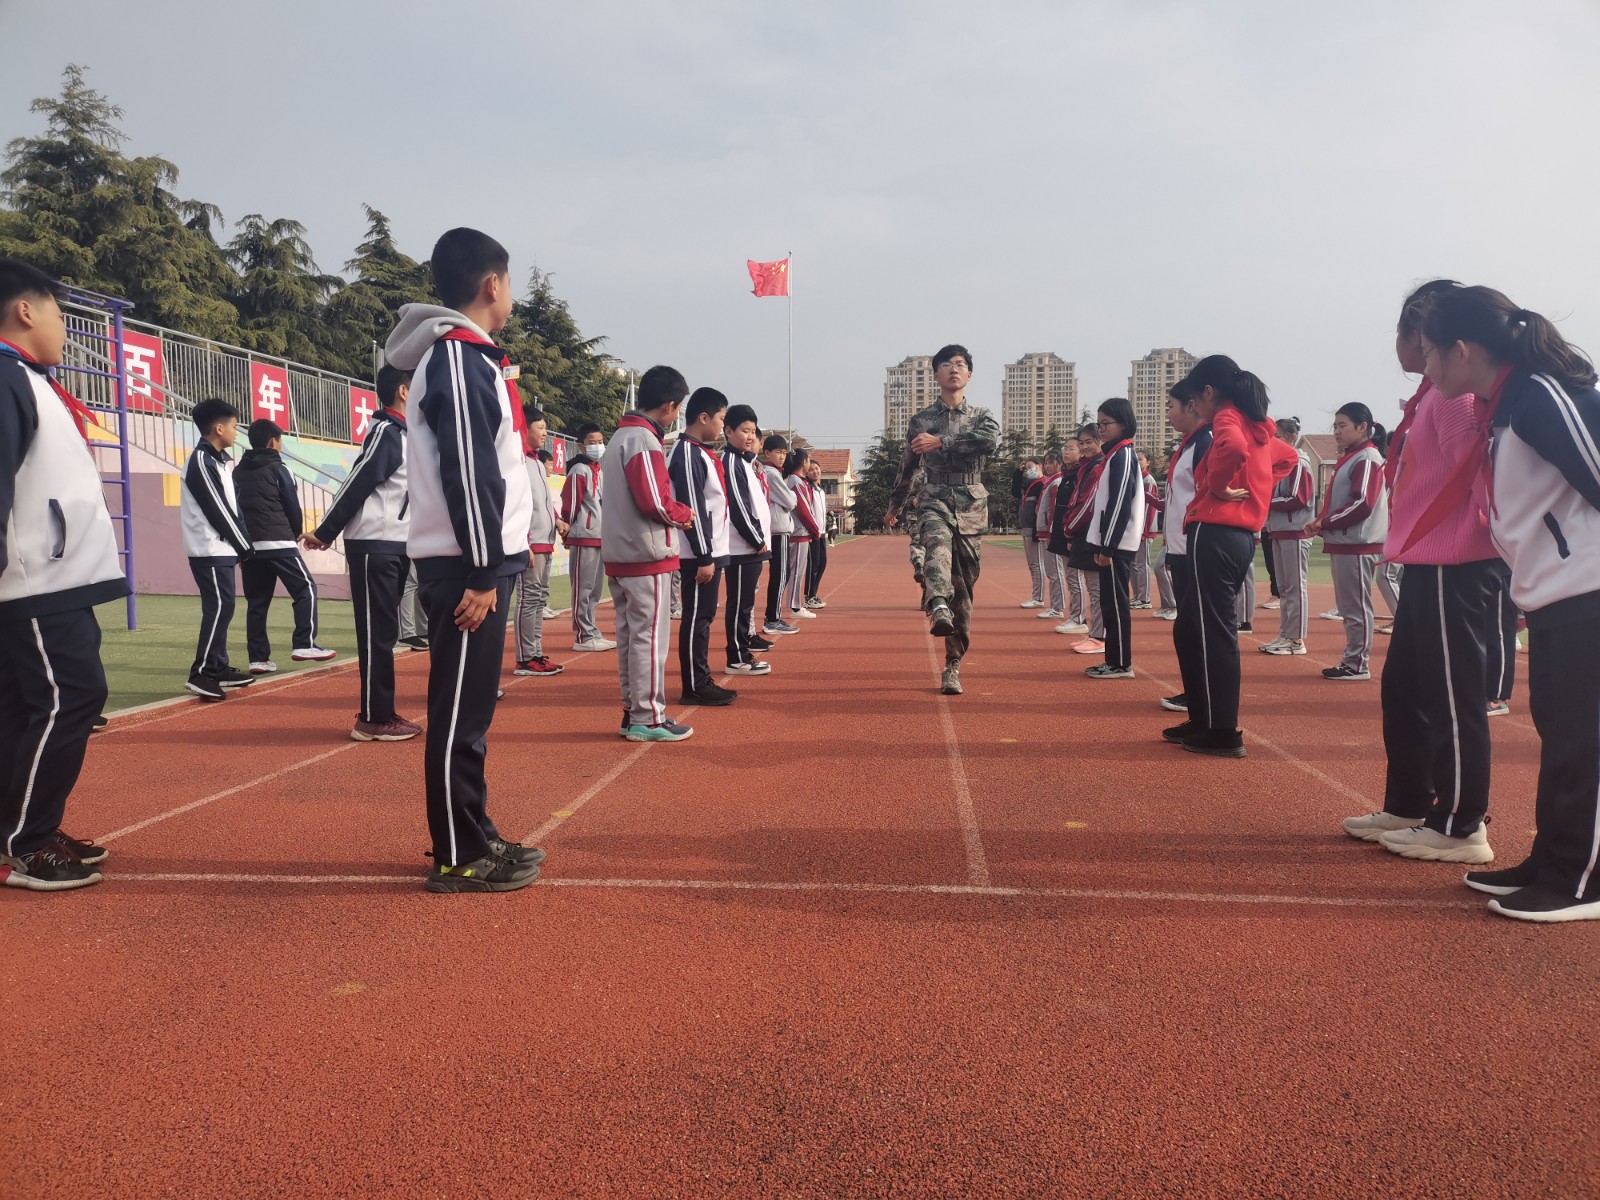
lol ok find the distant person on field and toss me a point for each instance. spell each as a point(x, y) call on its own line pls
point(215, 541)
point(780, 512)
point(1034, 483)
point(58, 559)
point(747, 539)
point(269, 502)
point(641, 554)
point(545, 526)
point(581, 505)
point(819, 548)
point(470, 512)
point(372, 510)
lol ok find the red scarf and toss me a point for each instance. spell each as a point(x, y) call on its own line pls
point(1397, 439)
point(1465, 474)
point(81, 416)
point(518, 421)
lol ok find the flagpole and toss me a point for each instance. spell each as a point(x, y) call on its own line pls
point(789, 278)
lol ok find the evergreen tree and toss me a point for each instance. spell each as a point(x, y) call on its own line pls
point(569, 375)
point(79, 208)
point(281, 292)
point(363, 312)
point(875, 481)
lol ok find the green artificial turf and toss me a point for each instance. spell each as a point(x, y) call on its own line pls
point(152, 662)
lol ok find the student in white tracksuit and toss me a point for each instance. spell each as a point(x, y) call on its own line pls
point(1353, 525)
point(582, 505)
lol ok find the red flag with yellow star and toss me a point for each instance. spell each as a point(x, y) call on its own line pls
point(770, 278)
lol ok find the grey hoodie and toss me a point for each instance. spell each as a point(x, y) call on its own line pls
point(471, 502)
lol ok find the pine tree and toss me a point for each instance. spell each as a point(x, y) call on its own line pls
point(875, 481)
point(281, 292)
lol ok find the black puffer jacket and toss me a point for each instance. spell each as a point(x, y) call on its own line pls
point(268, 502)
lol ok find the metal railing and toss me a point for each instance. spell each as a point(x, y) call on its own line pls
point(165, 434)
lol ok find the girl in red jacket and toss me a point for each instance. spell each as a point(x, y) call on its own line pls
point(1233, 485)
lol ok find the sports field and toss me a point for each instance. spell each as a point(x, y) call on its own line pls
point(852, 939)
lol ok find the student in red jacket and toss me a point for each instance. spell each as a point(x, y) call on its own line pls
point(1233, 485)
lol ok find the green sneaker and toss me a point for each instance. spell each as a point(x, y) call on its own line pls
point(488, 874)
point(667, 731)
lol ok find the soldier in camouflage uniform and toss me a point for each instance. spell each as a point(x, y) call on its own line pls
point(949, 442)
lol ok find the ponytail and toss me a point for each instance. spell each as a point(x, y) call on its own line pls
point(796, 459)
point(1237, 386)
point(1510, 334)
point(1359, 414)
point(1289, 425)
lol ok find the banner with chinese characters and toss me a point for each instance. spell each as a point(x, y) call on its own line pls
point(363, 404)
point(142, 359)
point(269, 395)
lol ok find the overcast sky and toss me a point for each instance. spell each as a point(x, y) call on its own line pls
point(1264, 179)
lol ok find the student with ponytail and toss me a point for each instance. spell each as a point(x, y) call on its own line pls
point(1233, 485)
point(1537, 402)
point(1435, 719)
point(1353, 525)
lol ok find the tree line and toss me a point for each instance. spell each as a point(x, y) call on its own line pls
point(75, 205)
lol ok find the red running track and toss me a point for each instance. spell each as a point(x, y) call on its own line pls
point(853, 939)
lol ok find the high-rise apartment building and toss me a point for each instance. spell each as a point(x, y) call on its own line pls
point(909, 389)
point(1040, 396)
point(1147, 389)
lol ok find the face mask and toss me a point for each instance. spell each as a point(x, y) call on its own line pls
point(594, 453)
point(1034, 473)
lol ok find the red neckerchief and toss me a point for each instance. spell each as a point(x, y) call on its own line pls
point(1465, 473)
point(394, 416)
point(1397, 439)
point(1089, 476)
point(81, 416)
point(1327, 497)
point(518, 421)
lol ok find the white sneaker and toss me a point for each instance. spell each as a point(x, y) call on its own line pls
point(1167, 614)
point(1284, 646)
point(1368, 828)
point(805, 613)
point(1432, 846)
point(313, 654)
point(750, 668)
point(1031, 604)
point(595, 645)
point(1331, 615)
point(1270, 647)
point(1072, 627)
point(1051, 614)
point(266, 666)
point(550, 614)
point(816, 602)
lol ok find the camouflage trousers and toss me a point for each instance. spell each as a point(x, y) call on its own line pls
point(916, 552)
point(950, 563)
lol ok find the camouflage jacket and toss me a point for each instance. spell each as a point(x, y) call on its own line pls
point(951, 477)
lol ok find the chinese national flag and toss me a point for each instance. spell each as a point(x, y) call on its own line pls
point(770, 278)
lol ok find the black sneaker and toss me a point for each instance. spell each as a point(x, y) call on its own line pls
point(944, 621)
point(1218, 743)
point(1177, 733)
point(51, 868)
point(710, 696)
point(100, 723)
point(205, 687)
point(1178, 703)
point(1247, 628)
point(758, 645)
point(1546, 906)
point(490, 873)
point(1107, 671)
point(1503, 883)
point(85, 852)
point(516, 852)
point(416, 643)
point(1343, 673)
point(232, 677)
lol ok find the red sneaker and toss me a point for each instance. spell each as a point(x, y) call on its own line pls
point(397, 730)
point(538, 666)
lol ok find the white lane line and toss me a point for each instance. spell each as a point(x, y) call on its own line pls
point(225, 793)
point(616, 772)
point(902, 889)
point(977, 860)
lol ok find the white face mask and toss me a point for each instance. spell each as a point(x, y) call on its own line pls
point(1034, 473)
point(594, 453)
